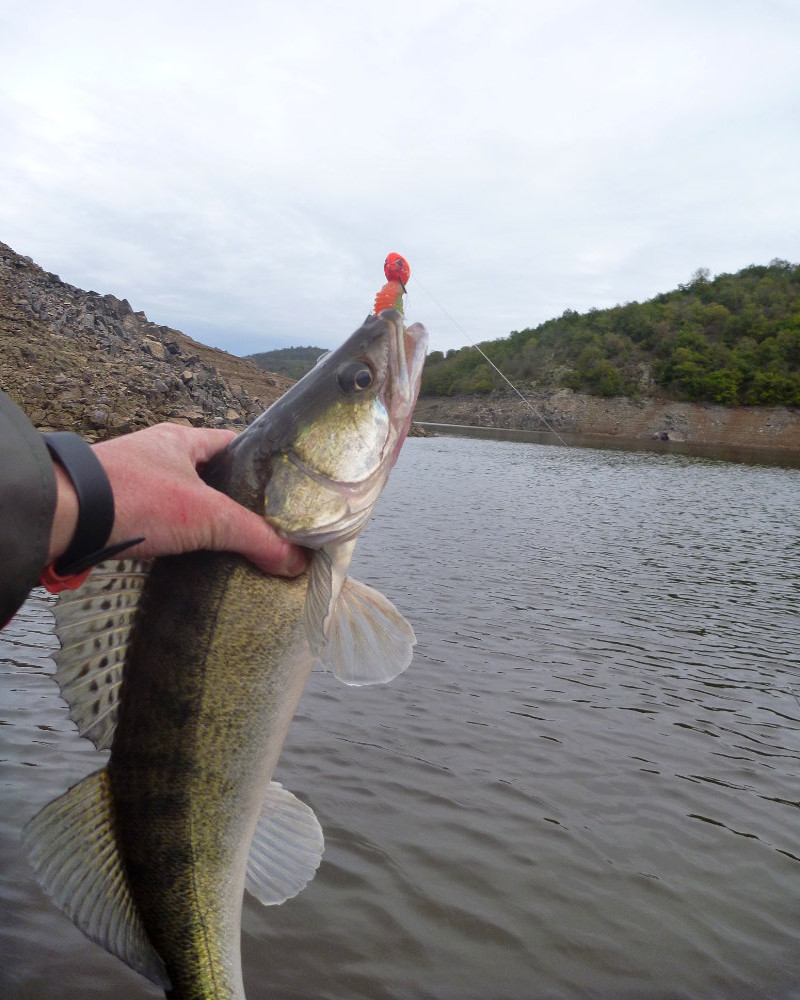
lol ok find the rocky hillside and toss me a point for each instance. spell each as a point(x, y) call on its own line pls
point(86, 362)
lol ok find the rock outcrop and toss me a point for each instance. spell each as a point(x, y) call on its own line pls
point(89, 363)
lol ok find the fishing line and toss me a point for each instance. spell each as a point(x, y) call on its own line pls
point(471, 343)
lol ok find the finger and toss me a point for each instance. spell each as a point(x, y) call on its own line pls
point(204, 443)
point(239, 530)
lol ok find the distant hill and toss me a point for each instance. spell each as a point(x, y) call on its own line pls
point(733, 339)
point(293, 362)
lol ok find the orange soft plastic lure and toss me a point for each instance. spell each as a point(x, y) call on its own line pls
point(397, 274)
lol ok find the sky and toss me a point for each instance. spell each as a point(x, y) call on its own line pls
point(239, 171)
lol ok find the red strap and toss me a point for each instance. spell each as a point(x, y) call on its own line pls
point(55, 583)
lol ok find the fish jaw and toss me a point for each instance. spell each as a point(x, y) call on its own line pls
point(410, 345)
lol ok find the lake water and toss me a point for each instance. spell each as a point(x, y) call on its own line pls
point(587, 784)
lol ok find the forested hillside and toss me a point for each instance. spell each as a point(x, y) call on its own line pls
point(733, 339)
point(293, 362)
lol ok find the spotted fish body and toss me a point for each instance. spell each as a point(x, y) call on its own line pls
point(190, 670)
point(218, 721)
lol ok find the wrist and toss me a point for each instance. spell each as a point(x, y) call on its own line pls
point(86, 518)
point(65, 519)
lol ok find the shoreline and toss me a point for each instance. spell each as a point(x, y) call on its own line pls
point(736, 454)
point(620, 422)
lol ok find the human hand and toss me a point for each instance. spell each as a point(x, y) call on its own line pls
point(159, 494)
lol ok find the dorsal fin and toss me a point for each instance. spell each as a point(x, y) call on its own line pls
point(94, 626)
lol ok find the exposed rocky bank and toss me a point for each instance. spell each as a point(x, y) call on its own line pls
point(88, 363)
point(622, 419)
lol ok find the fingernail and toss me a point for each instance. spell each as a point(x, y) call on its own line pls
point(297, 562)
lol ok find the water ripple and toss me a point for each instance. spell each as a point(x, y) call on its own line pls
point(586, 785)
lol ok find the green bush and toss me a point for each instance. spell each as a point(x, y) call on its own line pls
point(730, 339)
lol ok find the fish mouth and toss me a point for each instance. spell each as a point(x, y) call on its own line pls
point(408, 346)
point(415, 345)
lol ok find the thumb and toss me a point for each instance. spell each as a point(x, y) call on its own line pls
point(236, 529)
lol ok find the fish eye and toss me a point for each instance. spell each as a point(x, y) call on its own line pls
point(355, 376)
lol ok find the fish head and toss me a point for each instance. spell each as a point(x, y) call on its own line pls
point(324, 450)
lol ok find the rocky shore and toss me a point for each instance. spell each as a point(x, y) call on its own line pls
point(622, 419)
point(85, 362)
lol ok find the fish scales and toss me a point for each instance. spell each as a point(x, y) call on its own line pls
point(213, 687)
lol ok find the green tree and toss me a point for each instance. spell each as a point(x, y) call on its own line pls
point(733, 338)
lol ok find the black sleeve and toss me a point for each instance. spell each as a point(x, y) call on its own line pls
point(27, 506)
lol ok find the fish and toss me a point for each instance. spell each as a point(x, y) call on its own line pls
point(189, 669)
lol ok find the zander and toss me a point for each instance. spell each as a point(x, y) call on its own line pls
point(189, 670)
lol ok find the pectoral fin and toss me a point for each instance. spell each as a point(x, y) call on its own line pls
point(286, 850)
point(370, 642)
point(351, 628)
point(326, 577)
point(72, 848)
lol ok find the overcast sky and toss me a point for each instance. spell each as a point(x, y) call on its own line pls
point(239, 171)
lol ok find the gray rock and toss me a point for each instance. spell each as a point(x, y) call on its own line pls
point(155, 349)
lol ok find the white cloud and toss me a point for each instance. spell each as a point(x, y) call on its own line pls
point(240, 173)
